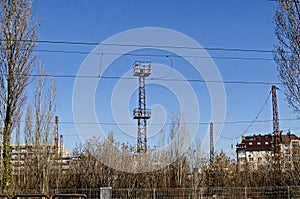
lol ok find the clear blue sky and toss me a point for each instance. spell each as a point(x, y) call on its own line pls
point(213, 24)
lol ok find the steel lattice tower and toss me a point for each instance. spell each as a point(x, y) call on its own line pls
point(275, 112)
point(276, 131)
point(142, 70)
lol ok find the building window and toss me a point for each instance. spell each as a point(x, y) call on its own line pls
point(266, 137)
point(295, 143)
point(266, 143)
point(251, 159)
point(287, 151)
point(295, 151)
point(242, 159)
point(242, 152)
point(250, 143)
point(287, 158)
point(258, 143)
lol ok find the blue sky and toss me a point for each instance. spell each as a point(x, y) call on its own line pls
point(213, 24)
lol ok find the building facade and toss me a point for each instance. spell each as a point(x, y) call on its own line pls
point(258, 149)
point(22, 154)
point(290, 149)
point(254, 149)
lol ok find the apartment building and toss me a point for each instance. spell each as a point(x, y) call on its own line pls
point(22, 153)
point(254, 149)
point(290, 149)
point(257, 149)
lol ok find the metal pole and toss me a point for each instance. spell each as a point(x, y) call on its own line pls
point(289, 195)
point(154, 193)
point(200, 195)
point(105, 192)
point(245, 192)
point(211, 153)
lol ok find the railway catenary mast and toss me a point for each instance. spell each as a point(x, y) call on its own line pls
point(61, 147)
point(211, 132)
point(56, 138)
point(275, 112)
point(276, 130)
point(142, 69)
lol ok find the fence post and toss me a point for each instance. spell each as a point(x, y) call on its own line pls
point(245, 190)
point(105, 192)
point(154, 193)
point(200, 195)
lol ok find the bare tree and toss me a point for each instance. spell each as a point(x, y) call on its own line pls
point(28, 130)
point(287, 55)
point(39, 131)
point(17, 33)
point(44, 110)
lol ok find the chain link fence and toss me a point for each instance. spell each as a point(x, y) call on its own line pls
point(287, 192)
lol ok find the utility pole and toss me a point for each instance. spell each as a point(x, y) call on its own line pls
point(275, 112)
point(56, 138)
point(61, 147)
point(212, 149)
point(142, 69)
point(276, 130)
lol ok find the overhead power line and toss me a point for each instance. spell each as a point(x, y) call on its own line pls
point(156, 79)
point(147, 46)
point(168, 124)
point(254, 120)
point(156, 55)
point(258, 114)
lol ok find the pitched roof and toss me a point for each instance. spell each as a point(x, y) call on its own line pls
point(286, 139)
point(256, 143)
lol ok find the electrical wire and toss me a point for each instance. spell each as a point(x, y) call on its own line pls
point(156, 55)
point(202, 123)
point(145, 46)
point(258, 114)
point(168, 124)
point(170, 70)
point(254, 120)
point(152, 79)
point(216, 81)
point(165, 124)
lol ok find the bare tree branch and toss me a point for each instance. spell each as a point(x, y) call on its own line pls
point(287, 56)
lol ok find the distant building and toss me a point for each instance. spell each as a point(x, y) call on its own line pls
point(256, 149)
point(290, 149)
point(22, 153)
